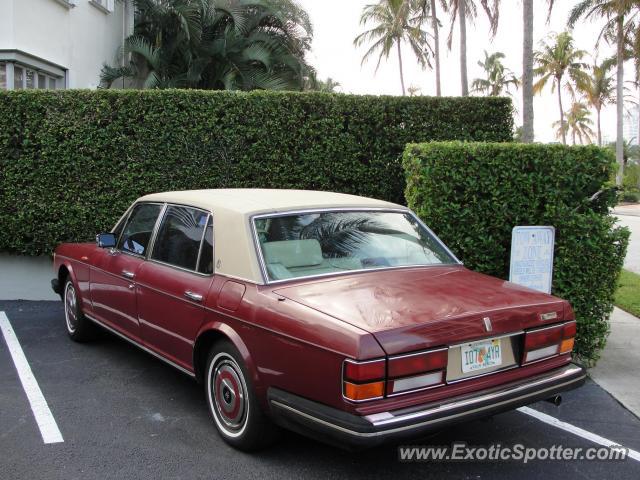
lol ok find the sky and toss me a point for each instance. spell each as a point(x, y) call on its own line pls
point(337, 22)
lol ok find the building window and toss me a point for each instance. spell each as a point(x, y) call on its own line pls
point(106, 6)
point(42, 81)
point(3, 76)
point(30, 79)
point(18, 77)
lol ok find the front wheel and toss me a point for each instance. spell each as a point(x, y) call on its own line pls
point(233, 403)
point(79, 327)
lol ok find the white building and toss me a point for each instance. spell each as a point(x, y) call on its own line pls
point(60, 43)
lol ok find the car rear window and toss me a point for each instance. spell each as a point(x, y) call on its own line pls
point(322, 243)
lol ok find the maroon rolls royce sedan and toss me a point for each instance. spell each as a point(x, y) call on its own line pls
point(340, 317)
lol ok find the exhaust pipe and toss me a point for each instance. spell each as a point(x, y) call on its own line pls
point(556, 400)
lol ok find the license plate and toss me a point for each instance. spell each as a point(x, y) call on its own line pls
point(481, 355)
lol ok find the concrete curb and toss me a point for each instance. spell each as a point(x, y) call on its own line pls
point(616, 371)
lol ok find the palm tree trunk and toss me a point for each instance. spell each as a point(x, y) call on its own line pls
point(598, 123)
point(436, 40)
point(562, 130)
point(620, 99)
point(638, 134)
point(527, 72)
point(463, 47)
point(401, 72)
point(573, 137)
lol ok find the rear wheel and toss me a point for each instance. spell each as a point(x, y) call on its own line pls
point(79, 327)
point(233, 403)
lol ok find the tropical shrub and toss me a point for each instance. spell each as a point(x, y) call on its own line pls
point(72, 161)
point(473, 194)
point(216, 45)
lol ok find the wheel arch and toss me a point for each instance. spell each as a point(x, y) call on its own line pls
point(215, 332)
point(65, 271)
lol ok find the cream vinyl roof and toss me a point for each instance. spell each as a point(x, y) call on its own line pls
point(234, 249)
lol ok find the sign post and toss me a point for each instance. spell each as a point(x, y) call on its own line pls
point(532, 257)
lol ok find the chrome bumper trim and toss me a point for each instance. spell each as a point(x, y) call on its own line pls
point(424, 418)
point(483, 398)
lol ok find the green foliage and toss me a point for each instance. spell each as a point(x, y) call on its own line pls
point(72, 161)
point(217, 45)
point(473, 194)
point(631, 180)
point(629, 197)
point(628, 293)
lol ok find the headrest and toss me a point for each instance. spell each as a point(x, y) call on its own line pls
point(293, 253)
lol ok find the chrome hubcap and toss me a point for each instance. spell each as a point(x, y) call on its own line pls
point(229, 394)
point(70, 310)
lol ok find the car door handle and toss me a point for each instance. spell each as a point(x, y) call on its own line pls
point(196, 297)
point(128, 274)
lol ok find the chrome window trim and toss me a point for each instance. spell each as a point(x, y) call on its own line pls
point(154, 232)
point(406, 211)
point(125, 218)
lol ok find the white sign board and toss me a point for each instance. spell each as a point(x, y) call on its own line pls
point(532, 257)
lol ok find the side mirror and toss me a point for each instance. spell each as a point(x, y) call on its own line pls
point(106, 240)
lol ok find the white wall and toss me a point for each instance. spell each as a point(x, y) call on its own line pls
point(26, 278)
point(79, 39)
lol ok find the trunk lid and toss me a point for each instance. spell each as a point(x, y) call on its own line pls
point(418, 308)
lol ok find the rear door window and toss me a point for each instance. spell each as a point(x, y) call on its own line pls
point(180, 236)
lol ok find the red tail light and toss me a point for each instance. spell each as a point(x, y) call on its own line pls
point(415, 363)
point(548, 341)
point(416, 371)
point(364, 371)
point(399, 374)
point(363, 380)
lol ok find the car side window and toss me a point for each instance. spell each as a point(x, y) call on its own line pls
point(179, 237)
point(137, 232)
point(205, 264)
point(117, 230)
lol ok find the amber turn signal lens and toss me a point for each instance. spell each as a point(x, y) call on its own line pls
point(364, 391)
point(567, 345)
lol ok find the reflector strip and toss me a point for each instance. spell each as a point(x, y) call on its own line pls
point(419, 381)
point(541, 353)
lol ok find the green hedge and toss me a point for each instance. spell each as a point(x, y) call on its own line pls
point(71, 161)
point(473, 194)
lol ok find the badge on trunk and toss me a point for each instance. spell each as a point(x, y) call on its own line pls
point(487, 324)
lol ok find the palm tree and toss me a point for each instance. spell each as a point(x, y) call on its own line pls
point(632, 52)
point(427, 10)
point(498, 76)
point(613, 12)
point(216, 44)
point(578, 122)
point(555, 61)
point(527, 67)
point(328, 86)
point(598, 90)
point(395, 22)
point(461, 9)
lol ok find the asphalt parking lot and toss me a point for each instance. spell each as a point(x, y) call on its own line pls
point(124, 414)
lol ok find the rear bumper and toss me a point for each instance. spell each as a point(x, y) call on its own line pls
point(345, 429)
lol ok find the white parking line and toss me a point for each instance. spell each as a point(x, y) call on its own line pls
point(44, 418)
point(567, 427)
